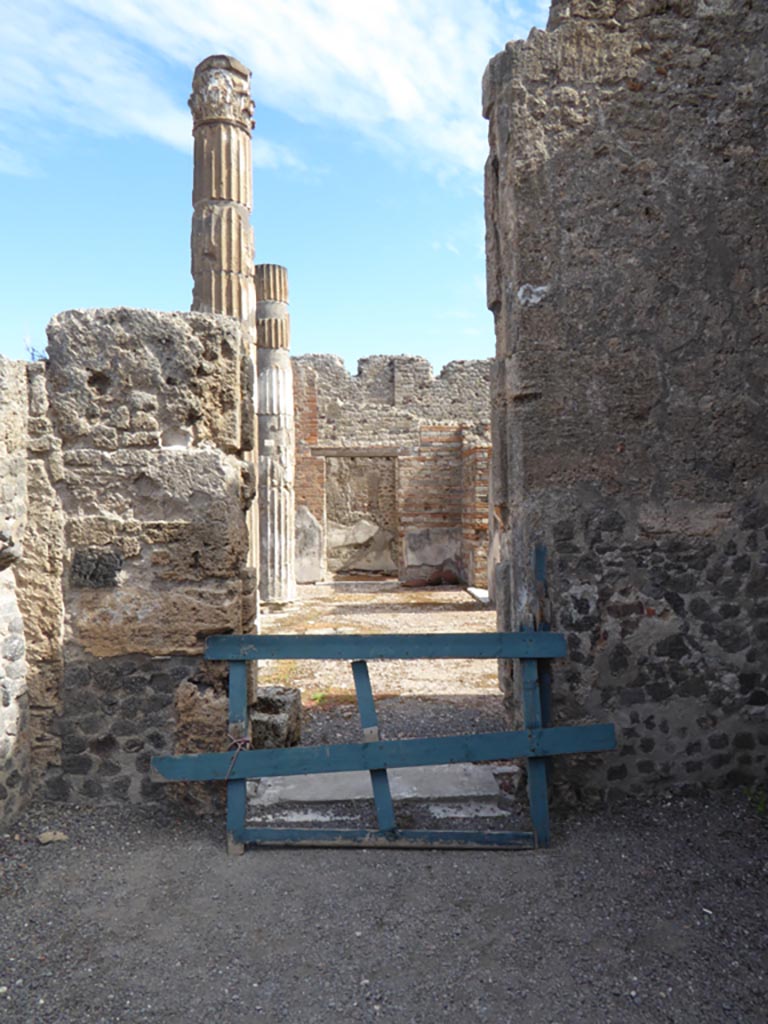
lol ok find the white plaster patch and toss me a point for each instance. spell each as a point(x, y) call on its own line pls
point(176, 437)
point(467, 810)
point(532, 294)
point(341, 536)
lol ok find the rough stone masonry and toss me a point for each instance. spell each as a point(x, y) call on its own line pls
point(627, 260)
point(15, 774)
point(125, 491)
point(127, 479)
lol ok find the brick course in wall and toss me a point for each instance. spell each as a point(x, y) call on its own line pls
point(395, 409)
point(392, 396)
point(430, 479)
point(310, 470)
point(476, 457)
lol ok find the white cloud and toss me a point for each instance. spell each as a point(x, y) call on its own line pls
point(405, 73)
point(446, 246)
point(16, 163)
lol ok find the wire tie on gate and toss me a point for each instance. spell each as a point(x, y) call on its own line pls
point(237, 744)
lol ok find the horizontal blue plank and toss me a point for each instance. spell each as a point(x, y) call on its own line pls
point(385, 646)
point(346, 757)
point(400, 839)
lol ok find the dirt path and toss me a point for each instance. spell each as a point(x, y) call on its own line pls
point(645, 913)
point(649, 914)
point(385, 607)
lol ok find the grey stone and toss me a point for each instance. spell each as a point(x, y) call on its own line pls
point(13, 648)
point(120, 787)
point(57, 787)
point(276, 717)
point(310, 547)
point(744, 741)
point(15, 624)
point(76, 764)
point(103, 745)
point(94, 568)
point(72, 743)
point(618, 659)
point(672, 647)
point(15, 670)
point(432, 556)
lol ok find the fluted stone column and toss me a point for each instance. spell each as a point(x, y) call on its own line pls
point(222, 196)
point(277, 576)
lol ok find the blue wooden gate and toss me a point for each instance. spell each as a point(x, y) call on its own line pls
point(537, 741)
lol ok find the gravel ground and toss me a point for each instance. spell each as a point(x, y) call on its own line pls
point(384, 607)
point(643, 913)
point(404, 716)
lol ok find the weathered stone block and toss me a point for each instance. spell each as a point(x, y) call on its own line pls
point(120, 377)
point(94, 568)
point(310, 547)
point(276, 717)
point(161, 540)
point(361, 546)
point(432, 556)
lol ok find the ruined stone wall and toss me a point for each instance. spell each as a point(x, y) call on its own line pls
point(31, 565)
point(475, 471)
point(391, 396)
point(626, 236)
point(362, 490)
point(430, 500)
point(392, 487)
point(15, 760)
point(127, 497)
point(153, 415)
point(39, 575)
point(443, 506)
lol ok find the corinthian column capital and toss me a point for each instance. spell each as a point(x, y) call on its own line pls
point(221, 92)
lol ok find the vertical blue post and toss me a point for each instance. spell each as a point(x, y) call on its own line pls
point(537, 766)
point(382, 797)
point(543, 624)
point(238, 729)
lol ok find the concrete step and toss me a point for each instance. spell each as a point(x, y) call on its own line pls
point(433, 796)
point(431, 782)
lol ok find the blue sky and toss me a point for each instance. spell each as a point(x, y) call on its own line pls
point(368, 158)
